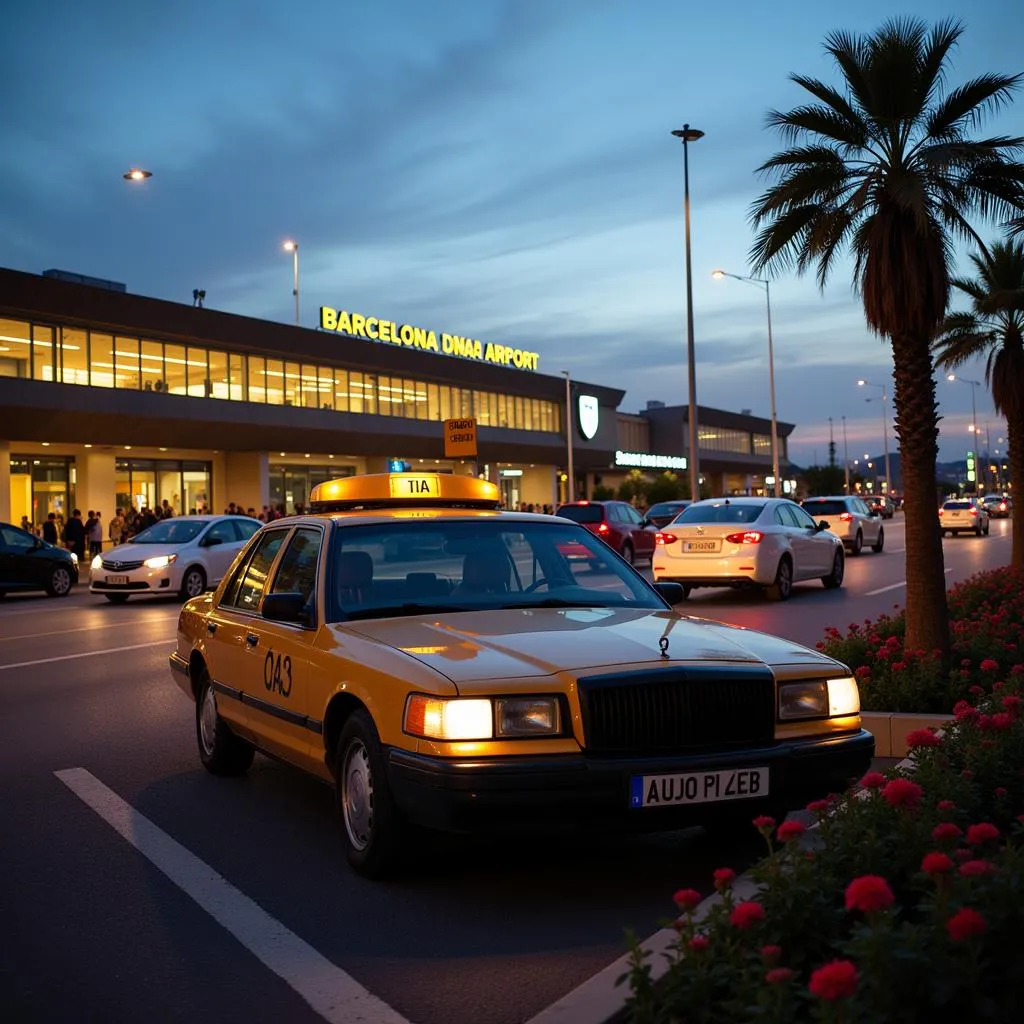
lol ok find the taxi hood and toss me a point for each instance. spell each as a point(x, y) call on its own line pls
point(532, 643)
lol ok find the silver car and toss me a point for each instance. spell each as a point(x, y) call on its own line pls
point(770, 543)
point(850, 519)
point(961, 515)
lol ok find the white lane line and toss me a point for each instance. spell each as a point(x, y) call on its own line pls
point(331, 992)
point(89, 629)
point(896, 586)
point(88, 654)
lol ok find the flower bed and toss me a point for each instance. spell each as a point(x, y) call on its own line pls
point(904, 904)
point(986, 614)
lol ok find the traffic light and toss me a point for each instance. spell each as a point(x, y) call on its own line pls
point(972, 474)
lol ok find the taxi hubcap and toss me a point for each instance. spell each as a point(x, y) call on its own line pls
point(61, 581)
point(357, 796)
point(208, 720)
point(193, 584)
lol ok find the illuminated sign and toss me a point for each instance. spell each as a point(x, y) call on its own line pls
point(588, 416)
point(459, 438)
point(343, 322)
point(644, 460)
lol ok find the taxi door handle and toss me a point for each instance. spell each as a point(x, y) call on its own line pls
point(252, 639)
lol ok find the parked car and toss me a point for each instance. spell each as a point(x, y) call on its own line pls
point(748, 542)
point(663, 512)
point(183, 555)
point(850, 519)
point(617, 523)
point(28, 563)
point(961, 515)
point(883, 505)
point(997, 506)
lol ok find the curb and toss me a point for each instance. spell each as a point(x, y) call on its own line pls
point(600, 1001)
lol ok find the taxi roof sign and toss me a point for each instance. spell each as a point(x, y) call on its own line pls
point(404, 490)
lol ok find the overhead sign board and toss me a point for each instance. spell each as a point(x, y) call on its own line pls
point(645, 460)
point(459, 438)
point(341, 321)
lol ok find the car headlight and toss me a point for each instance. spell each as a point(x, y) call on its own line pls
point(819, 698)
point(96, 563)
point(159, 561)
point(74, 557)
point(527, 716)
point(440, 718)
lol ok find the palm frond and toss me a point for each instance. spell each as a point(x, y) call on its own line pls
point(778, 244)
point(816, 119)
point(801, 155)
point(850, 52)
point(941, 40)
point(967, 105)
point(833, 99)
point(961, 337)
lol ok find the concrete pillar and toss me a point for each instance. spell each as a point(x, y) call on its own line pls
point(96, 484)
point(246, 481)
point(6, 506)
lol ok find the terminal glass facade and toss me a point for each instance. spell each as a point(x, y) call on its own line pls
point(146, 483)
point(70, 355)
point(43, 485)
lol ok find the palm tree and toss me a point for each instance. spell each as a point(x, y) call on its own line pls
point(994, 326)
point(885, 166)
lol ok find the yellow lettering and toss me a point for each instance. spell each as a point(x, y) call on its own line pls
point(489, 352)
point(431, 341)
point(405, 332)
point(359, 324)
point(344, 323)
point(478, 350)
point(517, 357)
point(328, 318)
point(447, 344)
point(371, 327)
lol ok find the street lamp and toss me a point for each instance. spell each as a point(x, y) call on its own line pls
point(293, 248)
point(846, 458)
point(719, 274)
point(974, 384)
point(885, 427)
point(688, 135)
point(570, 487)
point(136, 174)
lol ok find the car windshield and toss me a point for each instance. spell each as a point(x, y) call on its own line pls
point(957, 504)
point(446, 566)
point(665, 508)
point(170, 531)
point(824, 507)
point(720, 512)
point(582, 513)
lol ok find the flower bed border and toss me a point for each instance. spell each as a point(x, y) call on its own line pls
point(891, 728)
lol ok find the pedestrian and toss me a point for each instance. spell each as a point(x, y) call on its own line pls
point(26, 525)
point(116, 529)
point(50, 529)
point(95, 534)
point(74, 534)
point(166, 512)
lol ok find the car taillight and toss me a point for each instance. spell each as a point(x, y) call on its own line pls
point(747, 537)
point(665, 538)
point(974, 511)
point(846, 517)
point(1002, 506)
point(940, 511)
point(603, 528)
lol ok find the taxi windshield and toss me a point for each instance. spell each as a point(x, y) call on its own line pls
point(170, 531)
point(456, 565)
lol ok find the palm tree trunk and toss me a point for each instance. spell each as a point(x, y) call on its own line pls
point(917, 427)
point(1015, 435)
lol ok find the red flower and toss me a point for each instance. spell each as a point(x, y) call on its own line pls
point(936, 864)
point(747, 914)
point(699, 943)
point(1011, 703)
point(962, 711)
point(818, 806)
point(862, 673)
point(790, 830)
point(778, 975)
point(981, 833)
point(902, 793)
point(989, 665)
point(922, 738)
point(946, 805)
point(962, 855)
point(835, 980)
point(764, 823)
point(1001, 721)
point(965, 924)
point(1000, 792)
point(873, 780)
point(946, 831)
point(770, 954)
point(976, 868)
point(869, 893)
point(965, 662)
point(687, 899)
point(723, 878)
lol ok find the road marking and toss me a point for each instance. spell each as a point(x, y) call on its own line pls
point(896, 586)
point(88, 629)
point(333, 994)
point(87, 654)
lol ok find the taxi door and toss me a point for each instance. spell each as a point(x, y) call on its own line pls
point(276, 653)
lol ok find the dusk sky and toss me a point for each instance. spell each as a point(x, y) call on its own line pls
point(502, 170)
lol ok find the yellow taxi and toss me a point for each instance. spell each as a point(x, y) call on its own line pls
point(446, 664)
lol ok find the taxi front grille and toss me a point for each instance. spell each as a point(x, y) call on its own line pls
point(677, 710)
point(114, 566)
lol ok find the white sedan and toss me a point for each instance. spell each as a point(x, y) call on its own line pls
point(770, 543)
point(184, 555)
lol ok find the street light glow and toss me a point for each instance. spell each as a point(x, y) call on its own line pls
point(136, 174)
point(718, 274)
point(290, 246)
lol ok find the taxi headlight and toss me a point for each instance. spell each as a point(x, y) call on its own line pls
point(822, 698)
point(74, 558)
point(527, 716)
point(159, 561)
point(97, 562)
point(440, 718)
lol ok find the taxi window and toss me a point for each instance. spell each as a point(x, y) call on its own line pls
point(296, 572)
point(246, 588)
point(459, 565)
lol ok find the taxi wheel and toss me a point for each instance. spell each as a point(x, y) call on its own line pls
point(372, 827)
point(60, 582)
point(781, 589)
point(880, 543)
point(220, 750)
point(193, 583)
point(858, 544)
point(834, 580)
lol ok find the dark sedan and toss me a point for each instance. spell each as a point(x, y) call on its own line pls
point(663, 512)
point(28, 563)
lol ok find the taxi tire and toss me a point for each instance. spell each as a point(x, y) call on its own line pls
point(385, 841)
point(858, 544)
point(228, 754)
point(782, 588)
point(627, 553)
point(60, 584)
point(880, 543)
point(834, 580)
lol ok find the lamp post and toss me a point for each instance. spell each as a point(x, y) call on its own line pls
point(846, 458)
point(974, 419)
point(688, 135)
point(293, 248)
point(885, 428)
point(776, 489)
point(570, 486)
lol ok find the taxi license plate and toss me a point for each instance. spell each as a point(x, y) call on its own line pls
point(698, 787)
point(115, 580)
point(700, 545)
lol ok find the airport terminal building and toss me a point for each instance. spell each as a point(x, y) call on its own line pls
point(111, 399)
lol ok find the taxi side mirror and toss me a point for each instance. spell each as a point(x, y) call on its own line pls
point(673, 593)
point(285, 608)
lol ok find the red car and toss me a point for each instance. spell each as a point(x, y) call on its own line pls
point(617, 523)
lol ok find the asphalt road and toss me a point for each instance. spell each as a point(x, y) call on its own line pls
point(476, 933)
